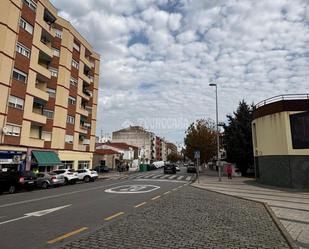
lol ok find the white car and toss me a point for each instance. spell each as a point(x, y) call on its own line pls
point(69, 177)
point(87, 175)
point(177, 168)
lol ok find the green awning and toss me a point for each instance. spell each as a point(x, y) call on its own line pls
point(46, 158)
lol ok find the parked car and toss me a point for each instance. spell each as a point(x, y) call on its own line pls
point(13, 180)
point(101, 169)
point(191, 168)
point(158, 164)
point(69, 177)
point(86, 175)
point(46, 180)
point(170, 168)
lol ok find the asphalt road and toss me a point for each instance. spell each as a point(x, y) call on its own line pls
point(73, 211)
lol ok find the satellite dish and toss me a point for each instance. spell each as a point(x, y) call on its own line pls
point(5, 130)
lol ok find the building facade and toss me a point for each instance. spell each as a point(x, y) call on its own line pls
point(280, 133)
point(49, 79)
point(139, 137)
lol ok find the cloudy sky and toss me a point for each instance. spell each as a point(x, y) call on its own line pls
point(158, 56)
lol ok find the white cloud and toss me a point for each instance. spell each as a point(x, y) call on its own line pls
point(158, 57)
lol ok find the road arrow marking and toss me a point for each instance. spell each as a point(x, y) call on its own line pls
point(36, 214)
point(46, 211)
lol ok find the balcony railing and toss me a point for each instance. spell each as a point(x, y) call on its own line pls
point(282, 97)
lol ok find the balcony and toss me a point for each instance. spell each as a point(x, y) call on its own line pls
point(44, 62)
point(49, 21)
point(46, 43)
point(81, 144)
point(37, 111)
point(35, 137)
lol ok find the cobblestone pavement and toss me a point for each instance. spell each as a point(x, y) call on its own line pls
point(189, 218)
point(291, 206)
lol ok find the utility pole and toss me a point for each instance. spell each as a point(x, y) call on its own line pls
point(218, 139)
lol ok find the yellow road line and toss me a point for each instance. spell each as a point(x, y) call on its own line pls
point(141, 204)
point(113, 216)
point(167, 192)
point(67, 235)
point(157, 197)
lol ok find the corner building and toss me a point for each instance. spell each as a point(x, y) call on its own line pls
point(49, 78)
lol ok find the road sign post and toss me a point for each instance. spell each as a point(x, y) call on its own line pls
point(197, 156)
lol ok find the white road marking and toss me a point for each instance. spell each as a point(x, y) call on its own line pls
point(132, 189)
point(159, 180)
point(179, 177)
point(36, 214)
point(188, 178)
point(171, 177)
point(59, 195)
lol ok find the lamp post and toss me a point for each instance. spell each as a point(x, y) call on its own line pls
point(217, 124)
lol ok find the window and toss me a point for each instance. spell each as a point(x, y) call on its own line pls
point(70, 119)
point(26, 26)
point(66, 165)
point(19, 75)
point(71, 101)
point(47, 136)
point(48, 113)
point(54, 72)
point(73, 81)
point(69, 139)
point(31, 4)
point(76, 46)
point(56, 52)
point(12, 130)
point(23, 50)
point(16, 102)
point(75, 64)
point(51, 92)
point(300, 130)
point(83, 164)
point(58, 33)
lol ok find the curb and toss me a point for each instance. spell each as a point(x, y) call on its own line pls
point(288, 238)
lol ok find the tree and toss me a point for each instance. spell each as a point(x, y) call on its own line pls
point(201, 136)
point(173, 157)
point(238, 137)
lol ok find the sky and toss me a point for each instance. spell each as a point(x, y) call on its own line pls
point(159, 56)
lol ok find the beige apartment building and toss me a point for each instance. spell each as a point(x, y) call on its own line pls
point(49, 79)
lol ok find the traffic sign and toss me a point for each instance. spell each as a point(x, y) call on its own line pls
point(197, 154)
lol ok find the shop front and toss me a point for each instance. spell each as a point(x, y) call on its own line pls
point(44, 161)
point(13, 159)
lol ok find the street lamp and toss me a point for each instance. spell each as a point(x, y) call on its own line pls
point(217, 124)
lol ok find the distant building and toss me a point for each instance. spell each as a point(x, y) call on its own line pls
point(171, 148)
point(106, 157)
point(128, 152)
point(139, 137)
point(280, 133)
point(158, 149)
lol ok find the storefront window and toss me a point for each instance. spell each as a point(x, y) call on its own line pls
point(83, 164)
point(66, 165)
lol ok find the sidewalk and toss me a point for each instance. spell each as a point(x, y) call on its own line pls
point(290, 206)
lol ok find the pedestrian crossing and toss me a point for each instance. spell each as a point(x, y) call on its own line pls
point(157, 176)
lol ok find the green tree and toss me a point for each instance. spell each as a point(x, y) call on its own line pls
point(173, 157)
point(201, 135)
point(238, 137)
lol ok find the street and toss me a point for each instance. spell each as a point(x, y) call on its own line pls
point(71, 211)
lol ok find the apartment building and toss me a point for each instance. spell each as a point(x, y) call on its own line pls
point(49, 78)
point(139, 137)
